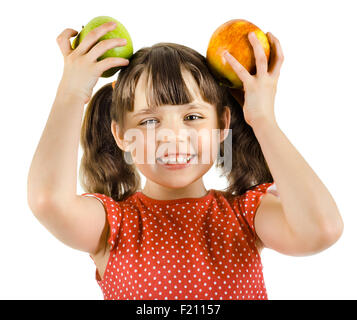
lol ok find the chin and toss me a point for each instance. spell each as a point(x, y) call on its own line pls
point(173, 179)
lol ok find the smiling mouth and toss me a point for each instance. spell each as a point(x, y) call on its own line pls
point(172, 159)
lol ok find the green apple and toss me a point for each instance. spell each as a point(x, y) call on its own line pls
point(117, 52)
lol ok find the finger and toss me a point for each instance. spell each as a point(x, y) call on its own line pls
point(260, 57)
point(277, 55)
point(241, 72)
point(103, 46)
point(93, 37)
point(64, 42)
point(109, 63)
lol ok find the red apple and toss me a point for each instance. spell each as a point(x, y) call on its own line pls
point(233, 36)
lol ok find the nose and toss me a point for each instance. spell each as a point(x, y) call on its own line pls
point(168, 135)
point(172, 132)
point(174, 139)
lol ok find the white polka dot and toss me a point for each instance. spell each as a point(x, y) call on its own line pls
point(187, 249)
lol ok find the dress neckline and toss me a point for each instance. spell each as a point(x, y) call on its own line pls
point(144, 197)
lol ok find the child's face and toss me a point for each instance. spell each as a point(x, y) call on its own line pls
point(172, 129)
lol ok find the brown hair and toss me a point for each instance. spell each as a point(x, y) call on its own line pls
point(103, 168)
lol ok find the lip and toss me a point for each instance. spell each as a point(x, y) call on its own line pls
point(177, 154)
point(176, 166)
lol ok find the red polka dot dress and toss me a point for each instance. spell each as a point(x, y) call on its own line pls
point(188, 248)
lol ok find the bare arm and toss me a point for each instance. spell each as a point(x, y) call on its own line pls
point(305, 219)
point(52, 180)
point(53, 171)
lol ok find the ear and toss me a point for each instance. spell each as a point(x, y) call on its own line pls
point(115, 132)
point(226, 117)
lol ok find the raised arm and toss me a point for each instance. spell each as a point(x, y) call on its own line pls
point(305, 219)
point(52, 180)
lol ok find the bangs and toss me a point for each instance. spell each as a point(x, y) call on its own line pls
point(166, 85)
point(163, 65)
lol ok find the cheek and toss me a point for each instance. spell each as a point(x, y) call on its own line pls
point(143, 150)
point(136, 142)
point(208, 145)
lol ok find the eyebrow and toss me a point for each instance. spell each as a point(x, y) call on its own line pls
point(153, 110)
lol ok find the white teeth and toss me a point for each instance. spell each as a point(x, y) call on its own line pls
point(181, 159)
point(173, 160)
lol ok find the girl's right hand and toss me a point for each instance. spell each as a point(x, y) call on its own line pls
point(81, 68)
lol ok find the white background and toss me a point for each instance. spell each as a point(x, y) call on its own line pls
point(315, 107)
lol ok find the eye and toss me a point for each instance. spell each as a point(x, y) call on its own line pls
point(191, 115)
point(145, 122)
point(194, 115)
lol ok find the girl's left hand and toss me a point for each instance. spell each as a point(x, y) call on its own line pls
point(260, 89)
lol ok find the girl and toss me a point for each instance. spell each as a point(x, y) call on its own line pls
point(174, 239)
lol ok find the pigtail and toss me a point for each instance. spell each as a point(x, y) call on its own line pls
point(103, 168)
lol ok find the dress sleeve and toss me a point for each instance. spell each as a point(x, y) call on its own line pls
point(247, 204)
point(113, 214)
